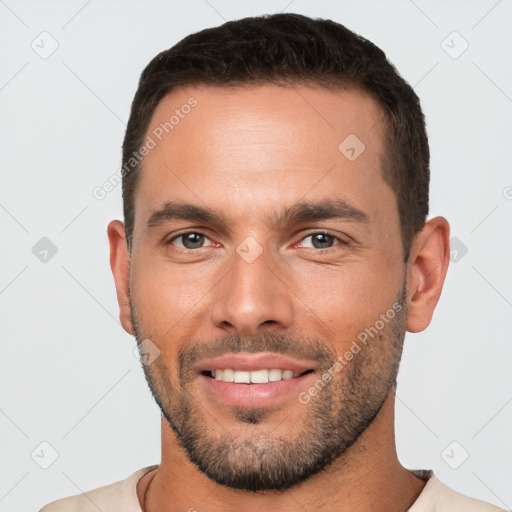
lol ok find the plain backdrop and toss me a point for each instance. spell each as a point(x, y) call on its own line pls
point(68, 375)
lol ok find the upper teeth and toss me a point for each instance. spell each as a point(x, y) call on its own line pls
point(256, 376)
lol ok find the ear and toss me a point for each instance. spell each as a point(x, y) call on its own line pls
point(427, 267)
point(120, 265)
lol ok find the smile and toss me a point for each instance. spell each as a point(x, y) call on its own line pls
point(262, 376)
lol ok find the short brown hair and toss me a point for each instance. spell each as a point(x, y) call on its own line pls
point(293, 49)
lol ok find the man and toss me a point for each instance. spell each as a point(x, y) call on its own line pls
point(274, 251)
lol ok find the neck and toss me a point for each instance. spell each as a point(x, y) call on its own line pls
point(367, 477)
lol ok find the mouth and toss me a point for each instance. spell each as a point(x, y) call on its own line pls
point(254, 380)
point(261, 376)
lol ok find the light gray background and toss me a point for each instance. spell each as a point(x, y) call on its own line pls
point(68, 373)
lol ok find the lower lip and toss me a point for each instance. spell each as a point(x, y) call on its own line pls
point(253, 395)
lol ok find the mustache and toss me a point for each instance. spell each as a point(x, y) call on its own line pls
point(296, 347)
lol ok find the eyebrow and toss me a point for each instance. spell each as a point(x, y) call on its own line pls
point(298, 213)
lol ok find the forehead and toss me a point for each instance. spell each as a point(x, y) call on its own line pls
point(258, 146)
point(266, 114)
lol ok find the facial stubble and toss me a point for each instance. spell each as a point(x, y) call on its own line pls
point(332, 421)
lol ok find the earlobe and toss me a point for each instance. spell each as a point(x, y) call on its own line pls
point(428, 264)
point(120, 265)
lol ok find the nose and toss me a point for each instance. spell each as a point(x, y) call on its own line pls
point(253, 296)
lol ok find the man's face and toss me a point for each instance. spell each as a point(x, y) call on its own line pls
point(307, 288)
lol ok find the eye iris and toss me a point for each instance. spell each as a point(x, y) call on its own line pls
point(195, 239)
point(317, 238)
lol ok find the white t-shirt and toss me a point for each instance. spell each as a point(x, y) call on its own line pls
point(122, 496)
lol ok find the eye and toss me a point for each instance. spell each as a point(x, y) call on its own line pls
point(320, 240)
point(324, 241)
point(190, 240)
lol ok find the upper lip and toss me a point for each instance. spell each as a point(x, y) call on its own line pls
point(253, 362)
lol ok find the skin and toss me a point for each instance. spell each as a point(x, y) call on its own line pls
point(249, 153)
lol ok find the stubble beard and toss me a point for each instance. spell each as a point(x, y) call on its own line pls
point(332, 421)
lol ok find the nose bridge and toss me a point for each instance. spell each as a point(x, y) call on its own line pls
point(251, 294)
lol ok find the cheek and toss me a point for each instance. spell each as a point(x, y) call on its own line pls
point(165, 294)
point(335, 302)
point(343, 302)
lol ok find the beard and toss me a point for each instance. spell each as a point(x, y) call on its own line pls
point(332, 420)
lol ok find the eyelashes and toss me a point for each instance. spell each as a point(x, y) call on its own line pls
point(202, 236)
